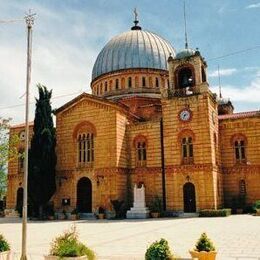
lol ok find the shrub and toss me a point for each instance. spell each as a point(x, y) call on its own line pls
point(159, 250)
point(4, 245)
point(156, 204)
point(67, 245)
point(257, 205)
point(74, 212)
point(119, 208)
point(215, 212)
point(204, 244)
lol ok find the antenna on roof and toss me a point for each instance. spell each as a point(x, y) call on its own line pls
point(219, 85)
point(136, 26)
point(185, 25)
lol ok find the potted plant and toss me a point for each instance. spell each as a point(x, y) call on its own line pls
point(159, 250)
point(156, 207)
point(256, 207)
point(74, 214)
point(204, 249)
point(101, 213)
point(68, 247)
point(4, 248)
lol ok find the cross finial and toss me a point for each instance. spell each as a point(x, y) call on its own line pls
point(136, 14)
point(136, 26)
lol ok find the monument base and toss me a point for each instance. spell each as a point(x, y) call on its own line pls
point(137, 213)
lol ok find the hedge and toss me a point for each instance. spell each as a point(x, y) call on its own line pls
point(215, 213)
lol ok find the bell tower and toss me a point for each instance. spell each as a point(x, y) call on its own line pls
point(190, 117)
point(187, 73)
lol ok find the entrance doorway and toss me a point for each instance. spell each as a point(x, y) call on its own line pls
point(84, 195)
point(189, 197)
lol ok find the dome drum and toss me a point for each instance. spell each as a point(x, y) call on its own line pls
point(130, 81)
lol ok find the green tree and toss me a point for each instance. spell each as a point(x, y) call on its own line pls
point(8, 151)
point(42, 157)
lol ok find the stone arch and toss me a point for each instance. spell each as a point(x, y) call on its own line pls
point(186, 69)
point(84, 126)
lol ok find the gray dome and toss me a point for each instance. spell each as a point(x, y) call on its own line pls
point(133, 49)
point(185, 53)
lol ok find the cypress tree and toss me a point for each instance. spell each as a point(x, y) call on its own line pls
point(42, 157)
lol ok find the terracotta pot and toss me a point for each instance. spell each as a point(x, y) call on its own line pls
point(155, 214)
point(52, 257)
point(6, 255)
point(101, 216)
point(73, 217)
point(203, 255)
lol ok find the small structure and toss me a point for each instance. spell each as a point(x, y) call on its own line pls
point(139, 210)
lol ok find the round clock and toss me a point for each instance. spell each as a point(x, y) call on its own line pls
point(22, 135)
point(185, 115)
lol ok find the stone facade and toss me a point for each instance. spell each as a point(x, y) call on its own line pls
point(172, 139)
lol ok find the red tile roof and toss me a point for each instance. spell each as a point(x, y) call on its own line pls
point(21, 125)
point(239, 115)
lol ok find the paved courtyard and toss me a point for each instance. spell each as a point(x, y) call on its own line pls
point(235, 237)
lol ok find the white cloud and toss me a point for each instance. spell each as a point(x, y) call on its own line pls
point(256, 5)
point(247, 94)
point(222, 72)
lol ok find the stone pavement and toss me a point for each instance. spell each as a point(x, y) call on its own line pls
point(235, 237)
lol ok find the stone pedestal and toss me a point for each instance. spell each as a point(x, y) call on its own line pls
point(139, 210)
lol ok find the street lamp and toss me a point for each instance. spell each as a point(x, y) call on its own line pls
point(29, 19)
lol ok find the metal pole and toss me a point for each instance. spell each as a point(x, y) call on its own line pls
point(29, 19)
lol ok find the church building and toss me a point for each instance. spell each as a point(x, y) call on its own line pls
point(150, 119)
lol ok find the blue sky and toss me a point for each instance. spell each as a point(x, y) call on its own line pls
point(68, 36)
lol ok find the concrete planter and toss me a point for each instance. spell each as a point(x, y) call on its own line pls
point(101, 216)
point(6, 255)
point(203, 255)
point(52, 257)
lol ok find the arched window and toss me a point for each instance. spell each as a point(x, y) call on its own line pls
point(143, 81)
point(106, 86)
point(101, 88)
point(84, 135)
point(129, 82)
point(240, 154)
point(141, 153)
point(187, 150)
point(185, 78)
point(157, 82)
point(85, 148)
point(117, 84)
point(21, 160)
point(203, 75)
point(98, 90)
point(140, 144)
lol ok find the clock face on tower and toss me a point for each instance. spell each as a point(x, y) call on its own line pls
point(185, 115)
